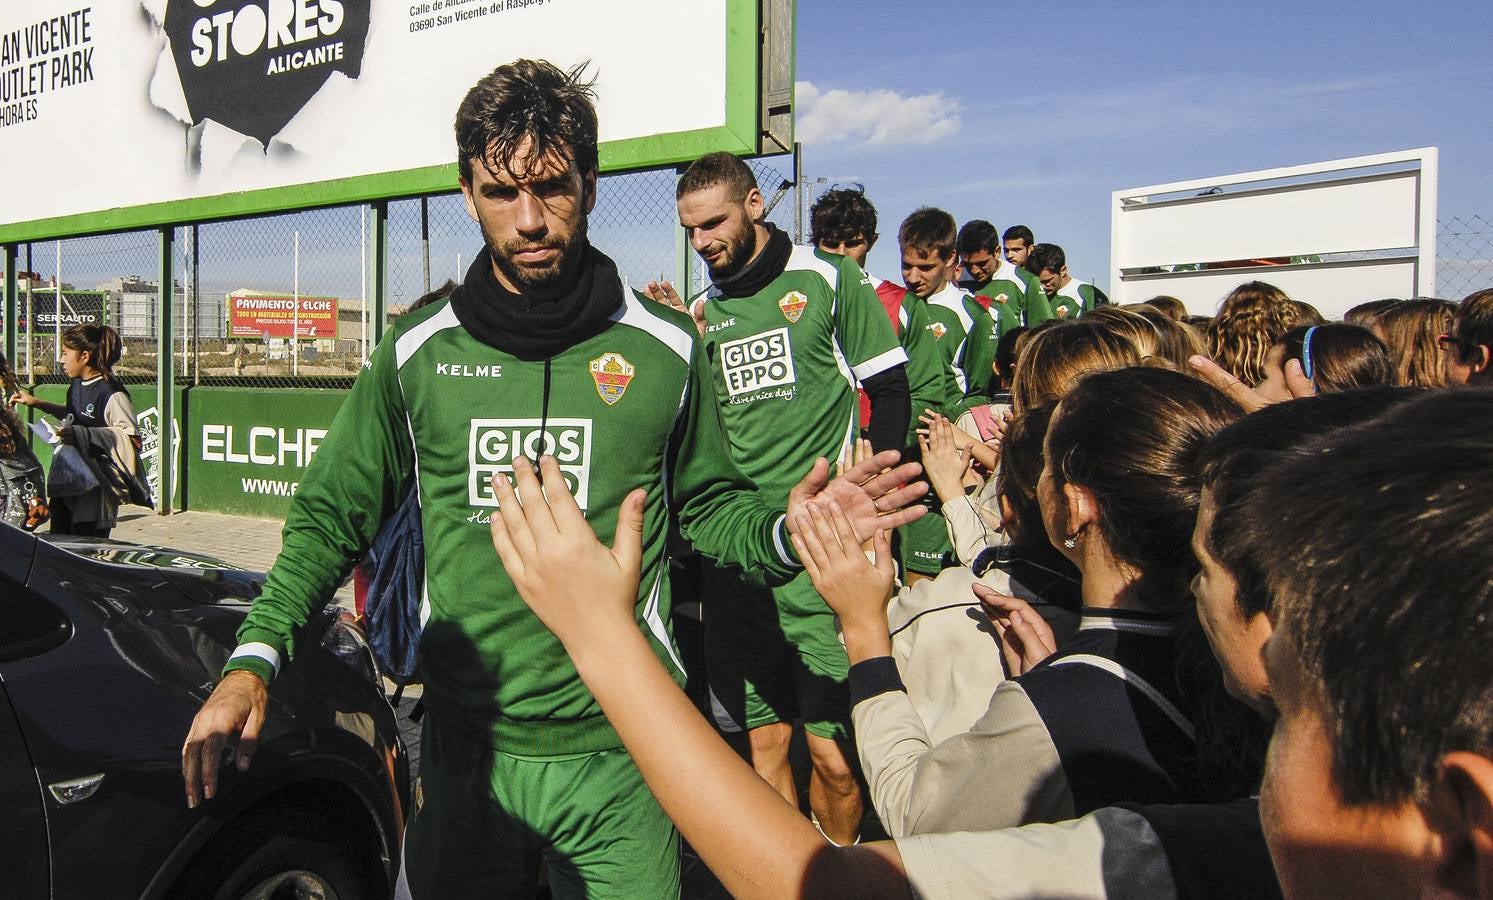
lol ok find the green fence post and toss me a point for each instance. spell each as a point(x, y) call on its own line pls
point(380, 269)
point(682, 250)
point(165, 369)
point(12, 290)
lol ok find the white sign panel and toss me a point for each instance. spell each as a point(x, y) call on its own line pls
point(1333, 233)
point(122, 103)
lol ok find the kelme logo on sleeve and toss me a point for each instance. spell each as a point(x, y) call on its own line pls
point(611, 372)
point(495, 443)
point(253, 64)
point(758, 362)
point(793, 304)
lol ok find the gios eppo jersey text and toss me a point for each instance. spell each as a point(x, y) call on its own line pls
point(786, 361)
point(629, 407)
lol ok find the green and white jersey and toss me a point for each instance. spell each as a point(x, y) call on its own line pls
point(631, 407)
point(1016, 298)
point(966, 334)
point(930, 381)
point(1072, 299)
point(786, 361)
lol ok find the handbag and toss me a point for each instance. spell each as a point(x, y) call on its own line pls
point(71, 475)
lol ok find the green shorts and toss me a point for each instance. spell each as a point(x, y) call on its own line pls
point(773, 655)
point(489, 817)
point(924, 546)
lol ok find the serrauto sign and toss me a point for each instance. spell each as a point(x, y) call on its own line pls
point(119, 114)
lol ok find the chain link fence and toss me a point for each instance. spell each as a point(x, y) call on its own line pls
point(1464, 256)
point(287, 300)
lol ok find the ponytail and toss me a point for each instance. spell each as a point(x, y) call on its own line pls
point(103, 346)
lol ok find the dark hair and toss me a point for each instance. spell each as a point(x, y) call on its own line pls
point(1131, 437)
point(1046, 258)
point(1367, 313)
point(439, 293)
point(1020, 467)
point(928, 229)
point(1005, 353)
point(976, 235)
point(1343, 356)
point(103, 347)
point(1410, 329)
point(1242, 455)
point(841, 214)
point(717, 168)
point(1384, 588)
point(1474, 326)
point(1019, 233)
point(533, 100)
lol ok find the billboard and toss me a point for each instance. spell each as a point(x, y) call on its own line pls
point(131, 113)
point(1333, 233)
point(78, 308)
point(259, 315)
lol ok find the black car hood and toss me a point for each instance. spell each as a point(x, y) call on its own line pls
point(202, 578)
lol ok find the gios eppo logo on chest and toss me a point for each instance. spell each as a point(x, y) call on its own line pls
point(493, 445)
point(251, 65)
point(758, 362)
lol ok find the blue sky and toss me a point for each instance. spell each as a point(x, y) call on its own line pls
point(1040, 111)
point(1026, 113)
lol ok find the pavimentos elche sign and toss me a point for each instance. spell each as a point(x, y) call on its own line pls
point(125, 113)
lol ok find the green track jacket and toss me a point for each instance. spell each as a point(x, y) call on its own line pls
point(631, 407)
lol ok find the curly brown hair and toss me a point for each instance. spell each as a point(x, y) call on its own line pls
point(1252, 317)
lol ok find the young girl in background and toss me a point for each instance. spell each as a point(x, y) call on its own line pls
point(103, 424)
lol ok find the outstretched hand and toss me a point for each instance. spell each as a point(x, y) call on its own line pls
point(1244, 395)
point(856, 588)
point(944, 458)
point(1026, 638)
point(874, 495)
point(663, 292)
point(578, 587)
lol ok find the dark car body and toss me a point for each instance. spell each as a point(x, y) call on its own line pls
point(107, 651)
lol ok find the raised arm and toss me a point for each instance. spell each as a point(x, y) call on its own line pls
point(584, 592)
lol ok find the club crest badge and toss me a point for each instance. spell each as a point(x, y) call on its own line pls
point(792, 305)
point(939, 329)
point(1001, 298)
point(611, 372)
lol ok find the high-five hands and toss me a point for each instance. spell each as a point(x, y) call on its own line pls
point(578, 587)
point(856, 588)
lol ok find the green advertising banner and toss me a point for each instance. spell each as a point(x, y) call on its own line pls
point(246, 454)
point(147, 417)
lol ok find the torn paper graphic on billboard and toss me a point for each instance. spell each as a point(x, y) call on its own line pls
point(252, 65)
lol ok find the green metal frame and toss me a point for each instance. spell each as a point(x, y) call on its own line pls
point(738, 135)
point(165, 367)
point(12, 296)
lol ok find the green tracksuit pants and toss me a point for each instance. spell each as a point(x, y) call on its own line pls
point(488, 818)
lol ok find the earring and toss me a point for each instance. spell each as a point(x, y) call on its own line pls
point(1070, 543)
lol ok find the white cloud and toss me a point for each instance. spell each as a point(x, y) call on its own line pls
point(881, 117)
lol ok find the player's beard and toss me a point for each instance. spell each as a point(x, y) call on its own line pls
point(738, 251)
point(540, 278)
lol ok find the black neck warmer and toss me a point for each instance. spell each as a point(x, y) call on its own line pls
point(538, 323)
point(759, 273)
